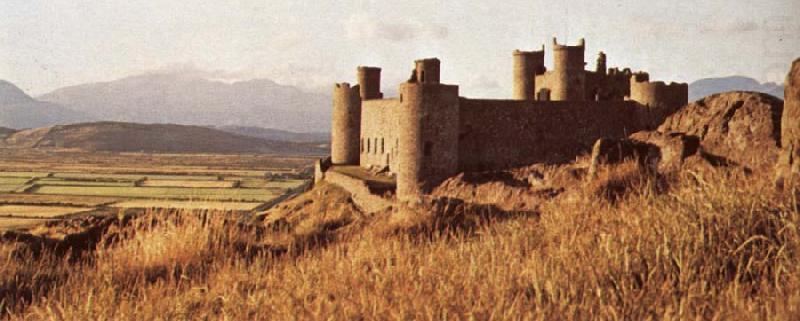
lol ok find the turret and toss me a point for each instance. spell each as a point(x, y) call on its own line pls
point(346, 124)
point(601, 63)
point(568, 71)
point(369, 79)
point(527, 64)
point(428, 136)
point(427, 70)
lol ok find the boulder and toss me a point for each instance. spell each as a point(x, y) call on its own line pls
point(615, 151)
point(788, 164)
point(742, 127)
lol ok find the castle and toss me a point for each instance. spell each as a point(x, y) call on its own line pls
point(430, 133)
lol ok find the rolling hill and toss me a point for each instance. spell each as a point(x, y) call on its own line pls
point(709, 86)
point(157, 138)
point(186, 98)
point(18, 110)
point(276, 134)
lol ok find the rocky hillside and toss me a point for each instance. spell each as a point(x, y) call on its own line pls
point(186, 98)
point(163, 138)
point(743, 127)
point(18, 110)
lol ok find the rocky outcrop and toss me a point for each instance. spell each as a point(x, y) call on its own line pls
point(789, 164)
point(742, 127)
point(735, 128)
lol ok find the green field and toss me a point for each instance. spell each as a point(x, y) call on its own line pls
point(99, 176)
point(63, 182)
point(23, 174)
point(182, 193)
point(190, 205)
point(13, 180)
point(50, 185)
point(8, 188)
point(39, 211)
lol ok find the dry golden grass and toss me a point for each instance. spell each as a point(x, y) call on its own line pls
point(714, 246)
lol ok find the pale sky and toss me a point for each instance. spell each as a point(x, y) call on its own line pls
point(49, 44)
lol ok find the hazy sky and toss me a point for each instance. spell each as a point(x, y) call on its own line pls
point(48, 44)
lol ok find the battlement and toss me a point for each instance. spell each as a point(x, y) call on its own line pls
point(427, 70)
point(369, 78)
point(581, 45)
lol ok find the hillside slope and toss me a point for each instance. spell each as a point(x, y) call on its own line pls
point(18, 110)
point(165, 138)
point(276, 134)
point(185, 98)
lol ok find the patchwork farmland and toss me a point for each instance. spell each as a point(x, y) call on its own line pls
point(105, 184)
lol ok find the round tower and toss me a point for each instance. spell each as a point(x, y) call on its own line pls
point(427, 70)
point(568, 71)
point(428, 138)
point(369, 79)
point(527, 64)
point(346, 128)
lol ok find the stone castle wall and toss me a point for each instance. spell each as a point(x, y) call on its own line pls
point(379, 140)
point(496, 134)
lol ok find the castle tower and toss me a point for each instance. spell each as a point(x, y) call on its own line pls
point(369, 79)
point(527, 64)
point(568, 71)
point(346, 125)
point(428, 137)
point(601, 63)
point(427, 70)
point(659, 98)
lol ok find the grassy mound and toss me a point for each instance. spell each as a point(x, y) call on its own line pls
point(713, 245)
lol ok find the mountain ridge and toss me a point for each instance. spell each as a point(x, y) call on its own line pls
point(157, 138)
point(188, 99)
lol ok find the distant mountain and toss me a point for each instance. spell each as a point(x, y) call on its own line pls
point(158, 138)
point(186, 98)
point(18, 110)
point(708, 86)
point(276, 134)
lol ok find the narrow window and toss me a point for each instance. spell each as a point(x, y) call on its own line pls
point(428, 149)
point(382, 149)
point(362, 145)
point(368, 147)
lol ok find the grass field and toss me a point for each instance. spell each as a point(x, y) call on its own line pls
point(188, 183)
point(23, 174)
point(180, 193)
point(68, 200)
point(712, 247)
point(189, 205)
point(13, 180)
point(7, 223)
point(67, 182)
point(40, 211)
point(40, 182)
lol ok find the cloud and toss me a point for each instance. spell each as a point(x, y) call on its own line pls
point(367, 27)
